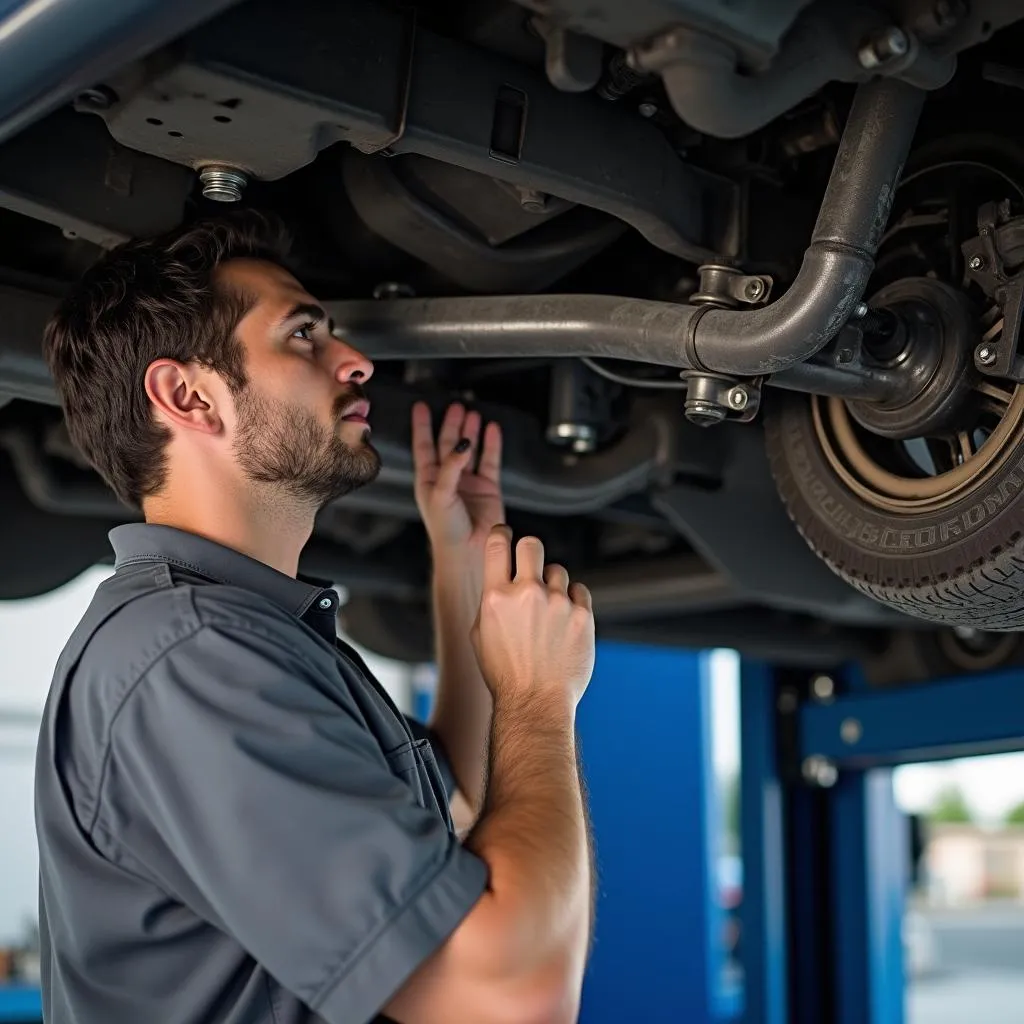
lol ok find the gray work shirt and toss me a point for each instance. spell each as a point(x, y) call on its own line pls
point(235, 822)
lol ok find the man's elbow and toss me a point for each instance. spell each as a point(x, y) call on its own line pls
point(525, 988)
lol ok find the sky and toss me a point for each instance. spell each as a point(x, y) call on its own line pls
point(32, 633)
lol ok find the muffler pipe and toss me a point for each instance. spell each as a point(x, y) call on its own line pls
point(743, 343)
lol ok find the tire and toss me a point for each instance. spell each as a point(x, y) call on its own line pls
point(961, 564)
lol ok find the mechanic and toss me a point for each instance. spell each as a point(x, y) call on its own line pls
point(235, 823)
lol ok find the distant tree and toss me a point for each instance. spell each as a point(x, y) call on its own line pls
point(950, 807)
point(1015, 816)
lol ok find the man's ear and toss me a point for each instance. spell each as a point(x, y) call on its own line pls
point(182, 396)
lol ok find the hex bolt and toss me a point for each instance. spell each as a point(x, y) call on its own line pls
point(986, 355)
point(845, 355)
point(647, 109)
point(977, 263)
point(823, 688)
point(738, 398)
point(819, 771)
point(883, 47)
point(850, 731)
point(532, 201)
point(787, 701)
point(393, 290)
point(859, 311)
point(223, 184)
point(754, 289)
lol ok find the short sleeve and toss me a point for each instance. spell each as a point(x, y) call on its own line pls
point(242, 775)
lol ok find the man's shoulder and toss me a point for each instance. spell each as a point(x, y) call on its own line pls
point(150, 619)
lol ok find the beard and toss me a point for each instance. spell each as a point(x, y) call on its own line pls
point(286, 445)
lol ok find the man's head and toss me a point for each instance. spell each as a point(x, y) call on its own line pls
point(198, 351)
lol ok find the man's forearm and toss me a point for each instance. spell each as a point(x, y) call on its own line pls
point(533, 834)
point(462, 709)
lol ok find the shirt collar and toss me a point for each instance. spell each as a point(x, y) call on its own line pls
point(148, 542)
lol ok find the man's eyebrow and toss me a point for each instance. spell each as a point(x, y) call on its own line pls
point(306, 310)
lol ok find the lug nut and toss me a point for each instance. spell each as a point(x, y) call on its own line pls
point(223, 184)
point(986, 355)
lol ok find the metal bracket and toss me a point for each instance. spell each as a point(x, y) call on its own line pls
point(997, 355)
point(728, 287)
point(712, 398)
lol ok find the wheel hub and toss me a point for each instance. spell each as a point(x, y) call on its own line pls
point(932, 346)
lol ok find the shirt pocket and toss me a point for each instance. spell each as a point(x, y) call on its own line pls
point(414, 763)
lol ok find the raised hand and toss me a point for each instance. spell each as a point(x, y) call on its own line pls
point(458, 505)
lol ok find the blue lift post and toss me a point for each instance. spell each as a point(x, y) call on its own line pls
point(826, 850)
point(644, 728)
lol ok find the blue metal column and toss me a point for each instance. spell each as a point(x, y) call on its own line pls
point(645, 738)
point(870, 864)
point(764, 934)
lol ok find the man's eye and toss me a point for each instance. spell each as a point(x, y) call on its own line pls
point(305, 332)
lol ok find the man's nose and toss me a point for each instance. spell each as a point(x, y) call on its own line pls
point(352, 366)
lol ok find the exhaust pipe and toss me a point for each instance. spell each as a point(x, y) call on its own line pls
point(743, 343)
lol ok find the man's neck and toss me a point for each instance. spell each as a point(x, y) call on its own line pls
point(262, 523)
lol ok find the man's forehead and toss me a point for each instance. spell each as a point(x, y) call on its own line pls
point(274, 288)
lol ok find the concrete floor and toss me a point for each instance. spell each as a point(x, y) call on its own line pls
point(978, 975)
point(988, 997)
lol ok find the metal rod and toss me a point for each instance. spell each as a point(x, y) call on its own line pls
point(840, 258)
point(758, 342)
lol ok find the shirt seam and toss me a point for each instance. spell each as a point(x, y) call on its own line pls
point(227, 626)
point(350, 961)
point(108, 739)
point(183, 563)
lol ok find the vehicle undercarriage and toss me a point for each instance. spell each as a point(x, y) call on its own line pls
point(743, 284)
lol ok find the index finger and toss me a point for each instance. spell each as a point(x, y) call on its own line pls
point(424, 451)
point(498, 557)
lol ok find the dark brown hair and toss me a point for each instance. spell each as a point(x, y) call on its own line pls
point(146, 300)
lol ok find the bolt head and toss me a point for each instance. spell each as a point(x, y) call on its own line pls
point(986, 355)
point(820, 771)
point(851, 731)
point(787, 701)
point(860, 311)
point(647, 109)
point(823, 687)
point(883, 47)
point(754, 289)
point(895, 41)
point(738, 398)
point(976, 263)
point(99, 97)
